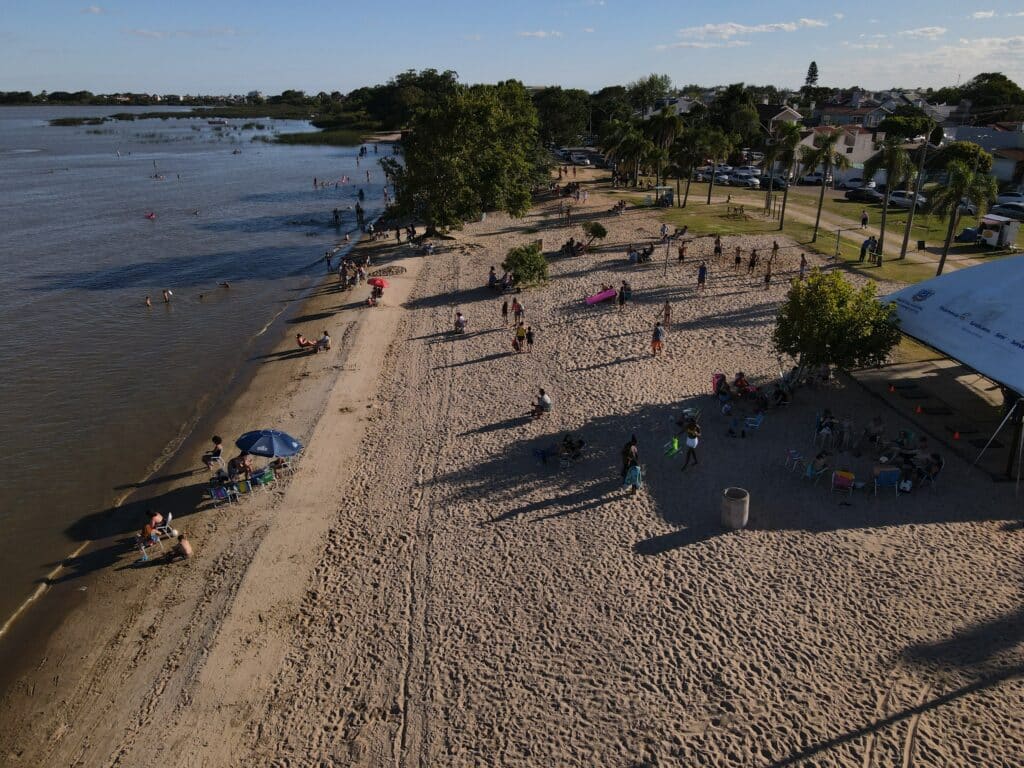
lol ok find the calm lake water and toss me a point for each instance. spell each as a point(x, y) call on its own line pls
point(95, 388)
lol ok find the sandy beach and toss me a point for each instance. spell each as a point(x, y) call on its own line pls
point(426, 591)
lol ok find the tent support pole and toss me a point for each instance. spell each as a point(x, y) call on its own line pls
point(999, 429)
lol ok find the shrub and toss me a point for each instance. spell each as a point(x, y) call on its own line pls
point(527, 264)
point(595, 231)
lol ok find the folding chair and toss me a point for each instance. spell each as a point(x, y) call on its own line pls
point(843, 481)
point(794, 459)
point(672, 447)
point(165, 529)
point(753, 422)
point(888, 478)
point(222, 493)
point(810, 473)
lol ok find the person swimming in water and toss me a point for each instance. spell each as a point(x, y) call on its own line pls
point(149, 302)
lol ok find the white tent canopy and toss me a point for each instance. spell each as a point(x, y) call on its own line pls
point(974, 315)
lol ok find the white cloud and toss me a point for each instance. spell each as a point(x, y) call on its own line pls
point(541, 34)
point(702, 44)
point(1017, 13)
point(983, 14)
point(166, 34)
point(729, 29)
point(866, 46)
point(588, 29)
point(839, 16)
point(95, 10)
point(924, 32)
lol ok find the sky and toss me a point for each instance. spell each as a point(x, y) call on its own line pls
point(229, 46)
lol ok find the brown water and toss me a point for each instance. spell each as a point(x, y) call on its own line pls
point(94, 387)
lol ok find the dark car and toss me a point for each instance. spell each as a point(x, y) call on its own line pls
point(1009, 210)
point(864, 195)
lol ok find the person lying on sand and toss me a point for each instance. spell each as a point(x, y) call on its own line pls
point(303, 342)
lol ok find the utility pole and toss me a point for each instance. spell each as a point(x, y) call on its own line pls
point(913, 205)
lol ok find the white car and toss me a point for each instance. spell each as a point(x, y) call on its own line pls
point(902, 199)
point(815, 178)
point(750, 182)
point(722, 178)
point(1010, 197)
point(749, 170)
point(856, 183)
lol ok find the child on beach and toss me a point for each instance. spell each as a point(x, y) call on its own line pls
point(518, 311)
point(213, 456)
point(752, 263)
point(718, 246)
point(520, 337)
point(702, 276)
point(737, 259)
point(529, 339)
point(692, 440)
point(682, 251)
point(667, 313)
point(768, 276)
point(803, 266)
point(504, 312)
point(658, 339)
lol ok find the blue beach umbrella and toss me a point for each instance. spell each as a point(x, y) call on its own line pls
point(268, 442)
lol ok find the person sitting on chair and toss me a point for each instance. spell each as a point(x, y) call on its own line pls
point(213, 457)
point(240, 466)
point(740, 383)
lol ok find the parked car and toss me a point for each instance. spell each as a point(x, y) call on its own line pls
point(1010, 197)
point(815, 178)
point(1009, 210)
point(967, 207)
point(702, 176)
point(776, 181)
point(750, 170)
point(724, 168)
point(903, 199)
point(856, 183)
point(865, 195)
point(722, 178)
point(750, 182)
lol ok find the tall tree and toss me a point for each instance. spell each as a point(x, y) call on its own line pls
point(787, 138)
point(895, 161)
point(644, 92)
point(474, 151)
point(718, 145)
point(822, 153)
point(811, 81)
point(626, 145)
point(563, 114)
point(963, 185)
point(733, 111)
point(685, 153)
point(662, 129)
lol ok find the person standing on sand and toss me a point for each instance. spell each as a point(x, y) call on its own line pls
point(518, 311)
point(775, 251)
point(620, 296)
point(504, 312)
point(667, 314)
point(702, 276)
point(520, 337)
point(658, 339)
point(529, 339)
point(718, 246)
point(692, 440)
point(737, 259)
point(803, 266)
point(630, 455)
point(752, 263)
point(768, 275)
point(682, 251)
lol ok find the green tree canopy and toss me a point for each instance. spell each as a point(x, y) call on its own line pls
point(812, 75)
point(475, 151)
point(966, 152)
point(734, 113)
point(826, 321)
point(527, 264)
point(902, 128)
point(595, 231)
point(563, 114)
point(962, 184)
point(644, 92)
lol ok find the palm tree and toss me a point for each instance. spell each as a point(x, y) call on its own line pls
point(895, 161)
point(662, 129)
point(686, 151)
point(625, 144)
point(718, 146)
point(963, 185)
point(771, 156)
point(823, 153)
point(787, 139)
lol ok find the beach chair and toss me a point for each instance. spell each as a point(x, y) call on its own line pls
point(263, 479)
point(812, 474)
point(888, 478)
point(794, 459)
point(672, 447)
point(753, 422)
point(221, 493)
point(166, 529)
point(843, 481)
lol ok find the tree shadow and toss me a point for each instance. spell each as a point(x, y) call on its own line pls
point(475, 361)
point(515, 421)
point(130, 517)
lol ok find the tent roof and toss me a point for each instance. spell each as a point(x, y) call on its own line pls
point(974, 315)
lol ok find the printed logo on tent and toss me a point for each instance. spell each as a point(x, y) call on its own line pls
point(922, 294)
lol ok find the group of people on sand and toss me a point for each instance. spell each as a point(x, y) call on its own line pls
point(152, 533)
point(320, 345)
point(501, 284)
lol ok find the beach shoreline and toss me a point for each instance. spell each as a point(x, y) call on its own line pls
point(46, 609)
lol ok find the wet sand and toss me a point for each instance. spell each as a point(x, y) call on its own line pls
point(426, 591)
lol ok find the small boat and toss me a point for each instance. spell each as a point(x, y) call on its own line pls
point(217, 122)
